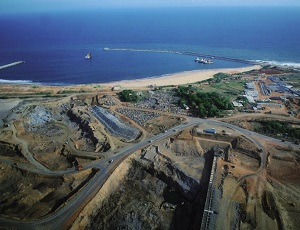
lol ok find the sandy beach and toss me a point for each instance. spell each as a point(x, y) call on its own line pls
point(178, 78)
point(171, 79)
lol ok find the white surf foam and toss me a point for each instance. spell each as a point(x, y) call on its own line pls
point(282, 64)
point(27, 82)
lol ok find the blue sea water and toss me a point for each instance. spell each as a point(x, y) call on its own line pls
point(54, 44)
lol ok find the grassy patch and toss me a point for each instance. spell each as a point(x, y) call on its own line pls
point(72, 91)
point(43, 93)
point(275, 127)
point(292, 80)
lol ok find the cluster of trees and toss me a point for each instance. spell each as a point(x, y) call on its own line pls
point(217, 78)
point(243, 100)
point(220, 76)
point(203, 104)
point(128, 96)
point(279, 127)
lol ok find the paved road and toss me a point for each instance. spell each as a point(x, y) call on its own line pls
point(58, 219)
point(65, 216)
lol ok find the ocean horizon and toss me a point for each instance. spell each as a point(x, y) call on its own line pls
point(54, 45)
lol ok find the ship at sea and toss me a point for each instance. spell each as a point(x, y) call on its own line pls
point(88, 56)
point(204, 61)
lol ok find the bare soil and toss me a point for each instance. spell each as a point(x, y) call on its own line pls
point(159, 187)
point(160, 124)
point(26, 195)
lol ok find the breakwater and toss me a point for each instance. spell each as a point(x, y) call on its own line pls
point(195, 54)
point(12, 64)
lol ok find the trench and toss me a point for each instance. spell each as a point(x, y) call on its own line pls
point(171, 207)
point(188, 215)
point(271, 209)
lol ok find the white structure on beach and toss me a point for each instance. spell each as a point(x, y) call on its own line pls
point(116, 88)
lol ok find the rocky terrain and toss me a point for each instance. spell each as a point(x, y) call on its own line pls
point(26, 195)
point(159, 187)
point(157, 191)
point(52, 148)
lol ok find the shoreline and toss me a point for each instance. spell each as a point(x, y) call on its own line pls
point(179, 78)
point(186, 77)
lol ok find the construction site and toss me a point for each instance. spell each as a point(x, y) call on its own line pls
point(91, 161)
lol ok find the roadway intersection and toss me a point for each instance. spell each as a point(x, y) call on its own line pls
point(64, 217)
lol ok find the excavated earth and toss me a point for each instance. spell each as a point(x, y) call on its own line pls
point(157, 195)
point(26, 195)
point(158, 188)
point(163, 186)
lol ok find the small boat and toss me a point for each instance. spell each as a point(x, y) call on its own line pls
point(204, 61)
point(88, 56)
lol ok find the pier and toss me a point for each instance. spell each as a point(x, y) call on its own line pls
point(12, 64)
point(186, 53)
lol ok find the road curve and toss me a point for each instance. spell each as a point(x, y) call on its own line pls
point(64, 217)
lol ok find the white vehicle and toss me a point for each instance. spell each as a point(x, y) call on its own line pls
point(111, 161)
point(151, 141)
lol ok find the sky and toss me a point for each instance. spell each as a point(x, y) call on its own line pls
point(16, 6)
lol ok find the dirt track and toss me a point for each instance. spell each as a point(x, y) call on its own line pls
point(45, 139)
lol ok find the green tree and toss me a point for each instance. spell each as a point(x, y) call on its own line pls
point(209, 104)
point(128, 95)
